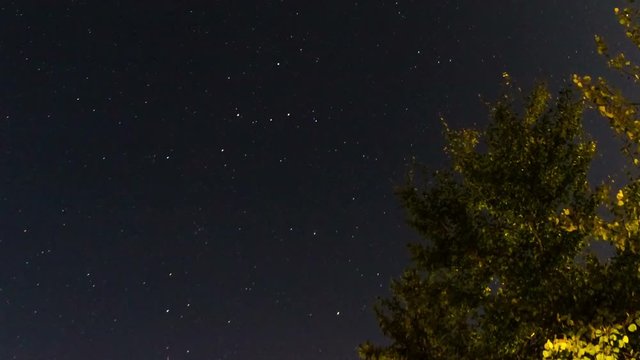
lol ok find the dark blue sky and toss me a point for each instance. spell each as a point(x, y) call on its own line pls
point(190, 181)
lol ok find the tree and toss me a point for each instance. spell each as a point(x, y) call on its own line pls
point(506, 271)
point(502, 231)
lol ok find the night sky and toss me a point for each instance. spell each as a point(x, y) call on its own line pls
point(182, 180)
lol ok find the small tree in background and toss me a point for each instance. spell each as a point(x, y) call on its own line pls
point(505, 270)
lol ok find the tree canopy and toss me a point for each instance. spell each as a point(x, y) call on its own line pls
point(506, 270)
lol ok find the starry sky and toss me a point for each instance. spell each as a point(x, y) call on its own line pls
point(191, 180)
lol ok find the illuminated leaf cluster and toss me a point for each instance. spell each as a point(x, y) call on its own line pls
point(618, 341)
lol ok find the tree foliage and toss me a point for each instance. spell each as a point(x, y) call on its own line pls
point(506, 271)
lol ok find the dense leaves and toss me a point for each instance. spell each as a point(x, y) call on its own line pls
point(506, 271)
point(502, 230)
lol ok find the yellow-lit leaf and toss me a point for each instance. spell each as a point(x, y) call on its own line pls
point(548, 345)
point(620, 197)
point(603, 110)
